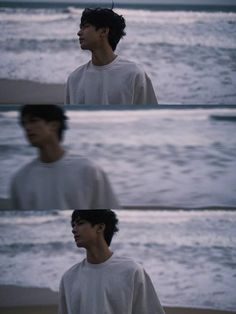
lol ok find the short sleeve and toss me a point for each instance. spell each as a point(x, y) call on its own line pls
point(144, 93)
point(62, 309)
point(145, 300)
point(67, 93)
point(103, 196)
point(14, 203)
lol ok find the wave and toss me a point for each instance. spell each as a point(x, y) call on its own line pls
point(154, 18)
point(186, 41)
point(224, 118)
point(185, 44)
point(32, 16)
point(73, 10)
point(29, 218)
point(39, 45)
point(20, 248)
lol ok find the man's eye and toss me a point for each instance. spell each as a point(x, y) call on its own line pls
point(35, 120)
point(80, 222)
point(84, 26)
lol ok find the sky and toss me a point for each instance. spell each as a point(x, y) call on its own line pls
point(186, 2)
point(217, 2)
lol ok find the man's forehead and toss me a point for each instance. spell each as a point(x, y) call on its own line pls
point(85, 22)
point(77, 219)
point(30, 116)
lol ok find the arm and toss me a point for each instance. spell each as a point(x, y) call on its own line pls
point(14, 202)
point(144, 93)
point(103, 196)
point(67, 94)
point(62, 309)
point(145, 300)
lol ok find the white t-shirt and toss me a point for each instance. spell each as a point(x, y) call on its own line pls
point(117, 286)
point(119, 82)
point(72, 182)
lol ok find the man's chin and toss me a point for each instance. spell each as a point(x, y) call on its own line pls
point(83, 47)
point(33, 142)
point(79, 244)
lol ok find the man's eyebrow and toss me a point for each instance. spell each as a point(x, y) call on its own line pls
point(26, 118)
point(84, 23)
point(77, 220)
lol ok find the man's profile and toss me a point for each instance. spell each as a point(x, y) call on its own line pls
point(104, 282)
point(106, 78)
point(56, 179)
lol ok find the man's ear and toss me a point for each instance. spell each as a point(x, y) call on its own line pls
point(104, 31)
point(100, 227)
point(55, 125)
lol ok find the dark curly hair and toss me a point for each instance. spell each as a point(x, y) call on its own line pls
point(100, 17)
point(45, 112)
point(96, 216)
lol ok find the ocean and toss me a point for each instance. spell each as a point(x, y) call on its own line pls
point(171, 158)
point(189, 52)
point(156, 157)
point(189, 255)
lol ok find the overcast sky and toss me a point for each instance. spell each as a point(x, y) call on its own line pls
point(220, 2)
point(201, 2)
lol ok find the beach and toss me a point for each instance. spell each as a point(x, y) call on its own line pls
point(44, 301)
point(183, 157)
point(189, 56)
point(23, 92)
point(189, 255)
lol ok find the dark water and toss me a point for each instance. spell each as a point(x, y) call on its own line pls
point(152, 157)
point(189, 54)
point(190, 255)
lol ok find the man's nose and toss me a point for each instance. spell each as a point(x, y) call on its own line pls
point(73, 230)
point(79, 33)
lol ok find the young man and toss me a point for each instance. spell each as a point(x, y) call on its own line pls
point(55, 179)
point(107, 78)
point(104, 282)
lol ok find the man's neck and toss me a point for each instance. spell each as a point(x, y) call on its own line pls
point(51, 153)
point(98, 255)
point(104, 57)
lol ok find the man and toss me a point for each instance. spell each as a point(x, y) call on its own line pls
point(104, 282)
point(55, 179)
point(107, 78)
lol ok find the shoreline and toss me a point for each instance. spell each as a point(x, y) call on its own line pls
point(5, 205)
point(30, 300)
point(30, 92)
point(15, 92)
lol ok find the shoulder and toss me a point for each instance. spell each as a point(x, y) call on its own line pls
point(130, 66)
point(25, 169)
point(80, 162)
point(70, 273)
point(83, 168)
point(77, 72)
point(127, 263)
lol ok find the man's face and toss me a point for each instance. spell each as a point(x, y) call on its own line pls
point(84, 233)
point(90, 38)
point(38, 131)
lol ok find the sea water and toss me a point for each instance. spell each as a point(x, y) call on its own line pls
point(189, 255)
point(189, 55)
point(152, 157)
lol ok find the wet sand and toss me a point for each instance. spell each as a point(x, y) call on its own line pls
point(27, 92)
point(22, 300)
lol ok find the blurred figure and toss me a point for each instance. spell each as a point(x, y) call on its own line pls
point(107, 78)
point(55, 179)
point(104, 282)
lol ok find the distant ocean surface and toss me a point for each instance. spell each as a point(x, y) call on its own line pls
point(189, 55)
point(190, 256)
point(152, 157)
